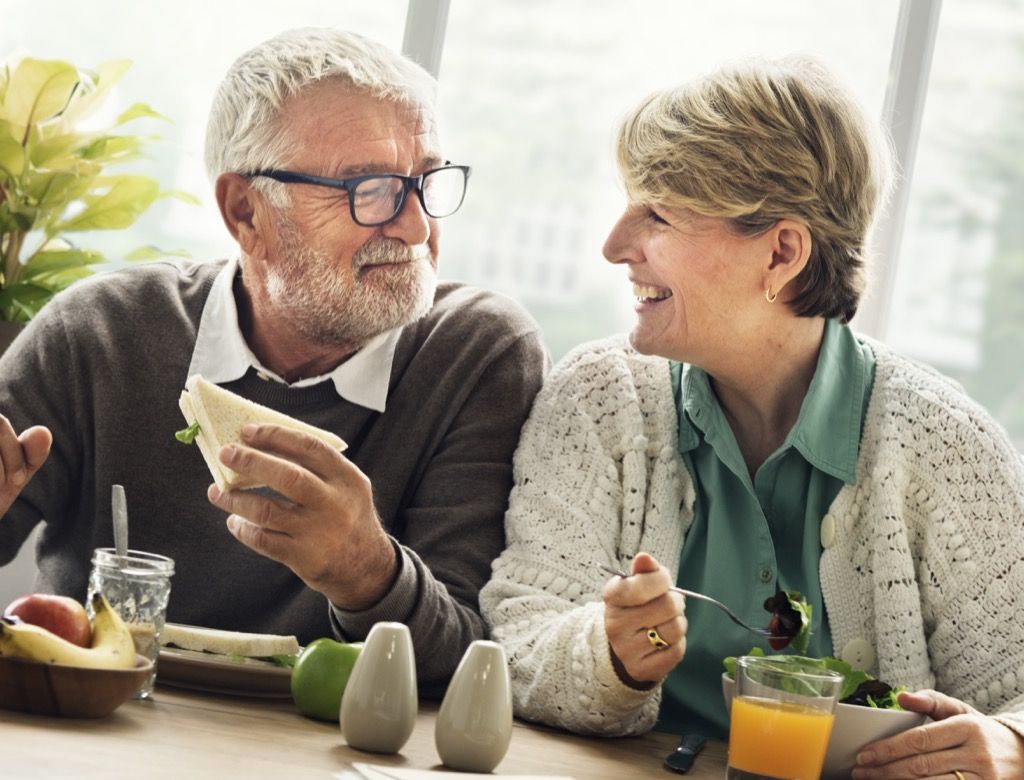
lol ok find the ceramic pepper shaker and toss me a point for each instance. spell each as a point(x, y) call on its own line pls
point(474, 724)
point(378, 708)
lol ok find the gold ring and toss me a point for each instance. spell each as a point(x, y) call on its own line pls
point(959, 774)
point(660, 644)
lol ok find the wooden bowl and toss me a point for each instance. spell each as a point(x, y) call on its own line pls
point(68, 691)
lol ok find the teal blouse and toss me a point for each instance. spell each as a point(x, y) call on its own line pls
point(750, 538)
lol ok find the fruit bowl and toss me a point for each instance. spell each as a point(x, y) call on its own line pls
point(854, 727)
point(68, 691)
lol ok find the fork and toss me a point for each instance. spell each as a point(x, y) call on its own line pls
point(692, 594)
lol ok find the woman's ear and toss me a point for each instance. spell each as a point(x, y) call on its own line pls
point(238, 203)
point(790, 251)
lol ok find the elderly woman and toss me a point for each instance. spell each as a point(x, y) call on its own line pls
point(748, 440)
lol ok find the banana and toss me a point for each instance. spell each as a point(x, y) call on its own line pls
point(112, 646)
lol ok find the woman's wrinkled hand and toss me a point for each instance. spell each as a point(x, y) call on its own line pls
point(635, 605)
point(960, 739)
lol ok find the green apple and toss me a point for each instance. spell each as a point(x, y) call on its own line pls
point(320, 676)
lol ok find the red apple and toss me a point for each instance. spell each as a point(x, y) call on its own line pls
point(60, 615)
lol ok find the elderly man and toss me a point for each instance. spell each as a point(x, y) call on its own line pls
point(330, 176)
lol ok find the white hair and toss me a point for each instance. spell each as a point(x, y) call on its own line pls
point(244, 131)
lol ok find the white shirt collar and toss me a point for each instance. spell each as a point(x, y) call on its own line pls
point(222, 355)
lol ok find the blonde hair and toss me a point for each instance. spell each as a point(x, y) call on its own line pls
point(759, 141)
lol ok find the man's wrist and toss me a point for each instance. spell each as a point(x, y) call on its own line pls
point(368, 588)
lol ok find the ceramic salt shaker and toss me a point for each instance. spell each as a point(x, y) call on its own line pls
point(378, 708)
point(474, 725)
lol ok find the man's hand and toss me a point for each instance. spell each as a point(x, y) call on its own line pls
point(20, 458)
point(329, 534)
point(960, 740)
point(632, 607)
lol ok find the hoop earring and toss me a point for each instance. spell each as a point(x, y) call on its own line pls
point(768, 295)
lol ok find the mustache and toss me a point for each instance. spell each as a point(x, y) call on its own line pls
point(387, 251)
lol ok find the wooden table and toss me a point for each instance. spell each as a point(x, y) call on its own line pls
point(184, 734)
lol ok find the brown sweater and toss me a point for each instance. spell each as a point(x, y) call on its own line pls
point(102, 366)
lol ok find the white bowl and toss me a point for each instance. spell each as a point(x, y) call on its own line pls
point(854, 727)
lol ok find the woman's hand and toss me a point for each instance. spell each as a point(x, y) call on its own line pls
point(632, 607)
point(960, 740)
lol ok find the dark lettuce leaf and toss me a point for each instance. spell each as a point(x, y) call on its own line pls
point(791, 617)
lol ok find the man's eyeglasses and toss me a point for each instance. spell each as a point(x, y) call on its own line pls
point(376, 199)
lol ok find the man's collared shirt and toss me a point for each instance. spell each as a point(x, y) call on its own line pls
point(752, 537)
point(222, 355)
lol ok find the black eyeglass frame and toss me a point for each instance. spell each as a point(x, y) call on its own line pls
point(350, 184)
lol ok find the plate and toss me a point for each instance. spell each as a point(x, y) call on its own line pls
point(203, 672)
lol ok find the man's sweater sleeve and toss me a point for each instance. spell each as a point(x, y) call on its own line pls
point(453, 527)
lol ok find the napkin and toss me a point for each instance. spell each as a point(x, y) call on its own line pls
point(378, 772)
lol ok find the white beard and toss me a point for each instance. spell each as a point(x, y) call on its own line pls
point(331, 308)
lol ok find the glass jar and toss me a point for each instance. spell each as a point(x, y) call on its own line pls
point(138, 586)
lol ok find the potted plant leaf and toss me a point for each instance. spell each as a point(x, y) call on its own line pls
point(55, 180)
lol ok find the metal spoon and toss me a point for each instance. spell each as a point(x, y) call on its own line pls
point(119, 509)
point(681, 759)
point(762, 632)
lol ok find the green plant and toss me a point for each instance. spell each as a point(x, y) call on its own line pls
point(54, 178)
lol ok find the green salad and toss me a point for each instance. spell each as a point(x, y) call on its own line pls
point(858, 687)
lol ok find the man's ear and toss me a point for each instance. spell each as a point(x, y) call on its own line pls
point(790, 251)
point(238, 203)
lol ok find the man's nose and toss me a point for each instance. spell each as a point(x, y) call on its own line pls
point(412, 225)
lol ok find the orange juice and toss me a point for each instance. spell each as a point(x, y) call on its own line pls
point(774, 739)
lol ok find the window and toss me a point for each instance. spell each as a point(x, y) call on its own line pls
point(531, 96)
point(958, 301)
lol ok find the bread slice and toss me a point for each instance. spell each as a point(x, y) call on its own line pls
point(215, 640)
point(221, 415)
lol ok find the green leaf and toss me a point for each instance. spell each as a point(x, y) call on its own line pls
point(25, 296)
point(56, 151)
point(803, 636)
point(155, 253)
point(287, 661)
point(52, 191)
point(184, 197)
point(56, 261)
point(111, 148)
point(12, 154)
point(187, 435)
point(138, 111)
point(38, 90)
point(123, 203)
point(61, 279)
point(94, 90)
point(730, 661)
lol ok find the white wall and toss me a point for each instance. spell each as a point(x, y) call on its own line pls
point(16, 577)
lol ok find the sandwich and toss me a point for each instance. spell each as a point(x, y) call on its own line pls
point(216, 416)
point(233, 646)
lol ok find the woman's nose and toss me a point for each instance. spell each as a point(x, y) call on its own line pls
point(618, 246)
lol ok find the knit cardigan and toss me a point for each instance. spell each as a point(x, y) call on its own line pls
point(922, 569)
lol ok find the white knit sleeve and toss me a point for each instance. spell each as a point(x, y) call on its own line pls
point(543, 602)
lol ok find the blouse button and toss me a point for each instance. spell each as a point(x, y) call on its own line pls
point(859, 654)
point(766, 574)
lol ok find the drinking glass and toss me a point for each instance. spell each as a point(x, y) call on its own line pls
point(138, 586)
point(781, 718)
